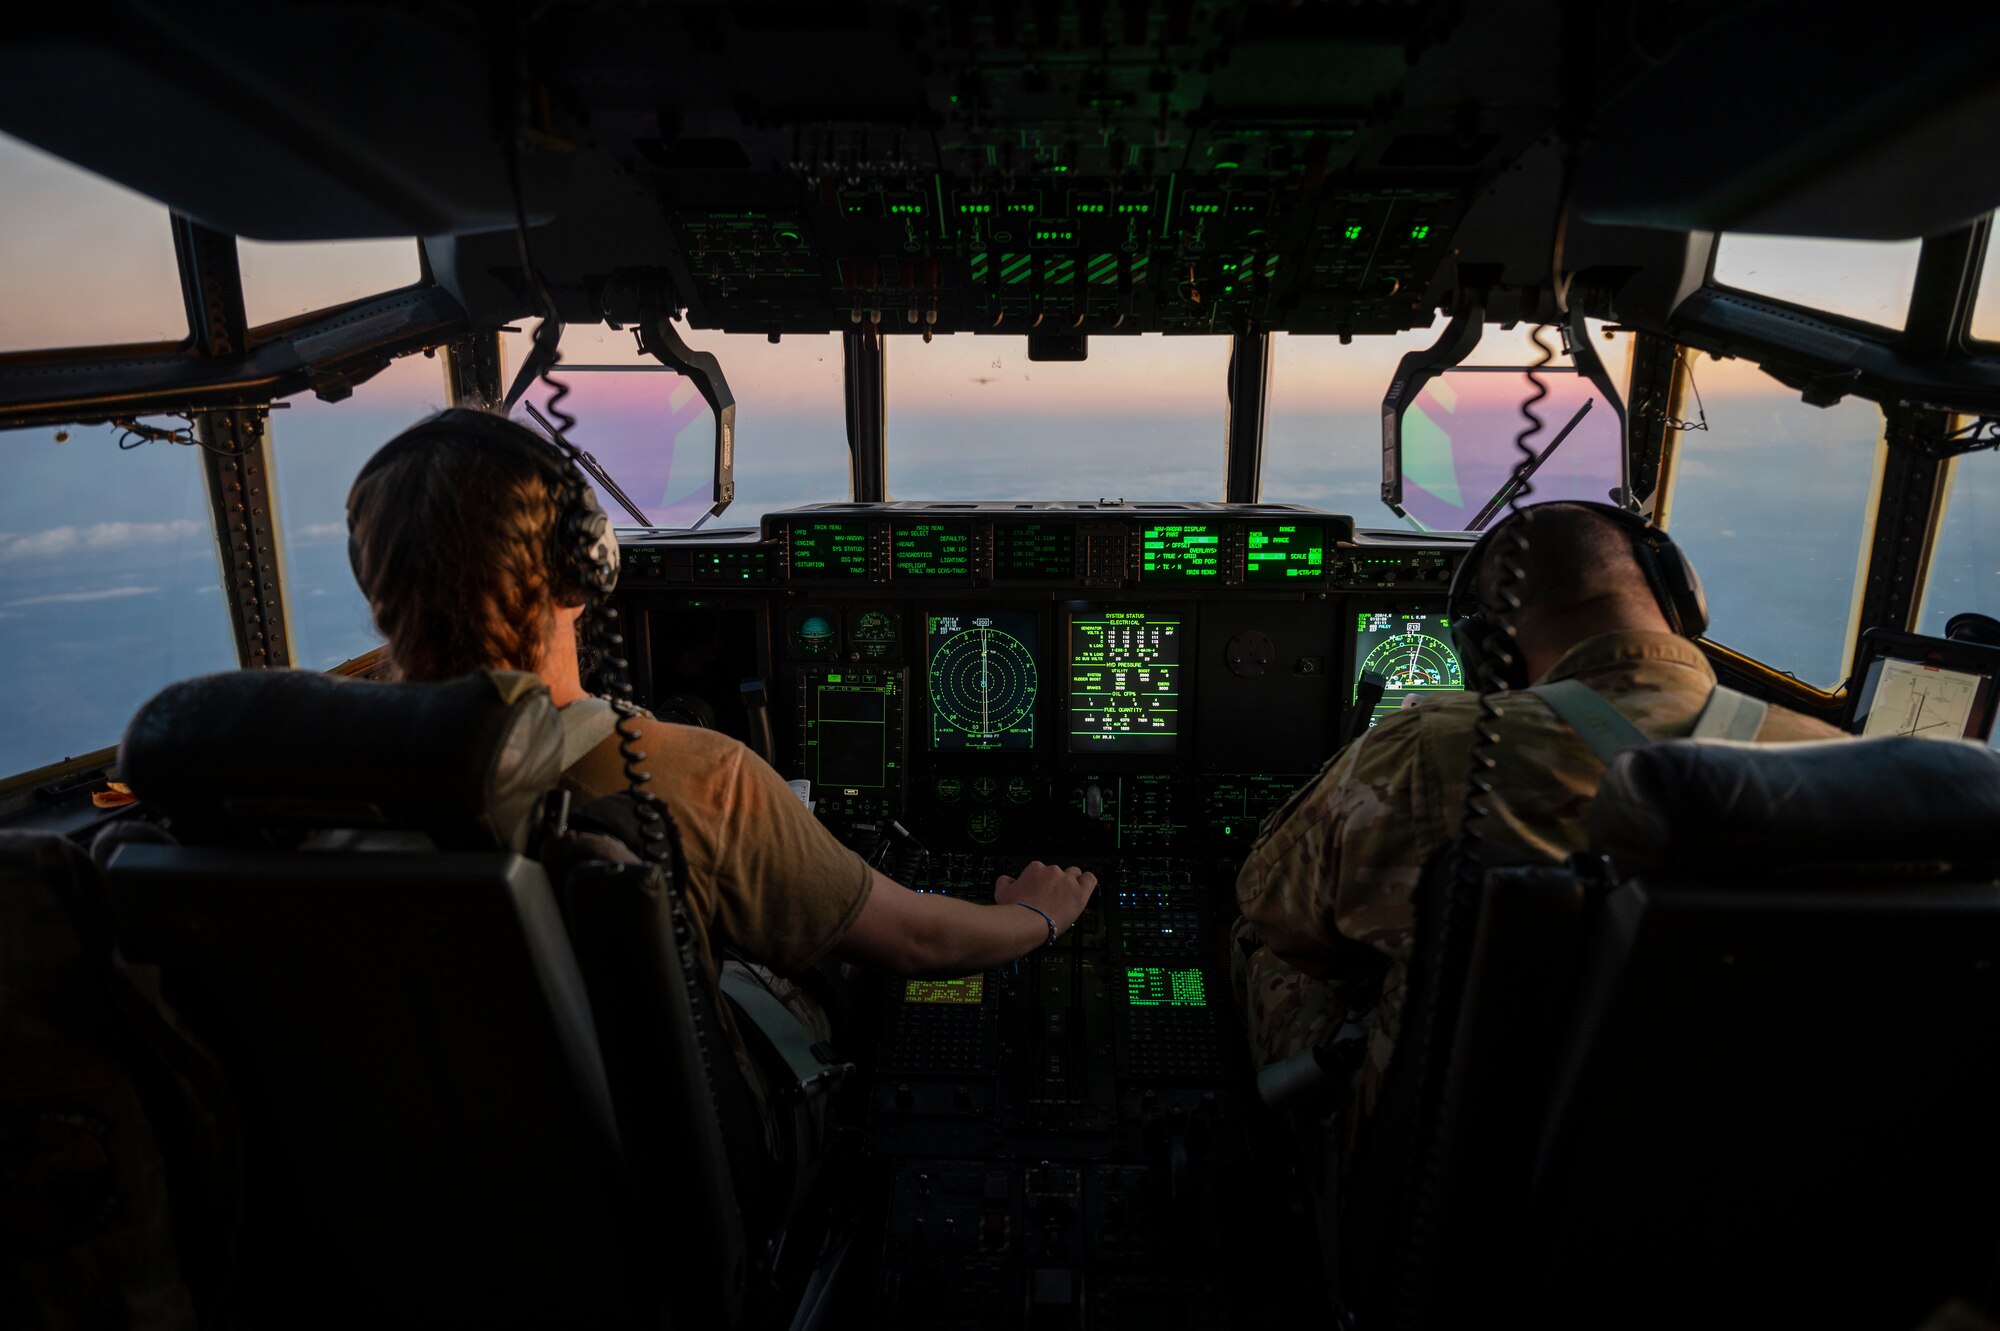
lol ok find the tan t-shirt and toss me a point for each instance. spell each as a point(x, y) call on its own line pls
point(764, 877)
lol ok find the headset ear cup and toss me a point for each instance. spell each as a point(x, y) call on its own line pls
point(1684, 585)
point(596, 546)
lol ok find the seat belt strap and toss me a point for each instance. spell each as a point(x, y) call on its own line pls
point(1603, 727)
point(786, 1033)
point(585, 723)
point(1730, 715)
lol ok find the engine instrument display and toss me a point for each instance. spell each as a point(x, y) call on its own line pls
point(1285, 553)
point(1034, 551)
point(1181, 552)
point(984, 682)
point(829, 549)
point(932, 550)
point(1124, 681)
point(1411, 652)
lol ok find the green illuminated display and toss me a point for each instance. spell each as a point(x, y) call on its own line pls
point(830, 550)
point(1282, 553)
point(1188, 551)
point(968, 992)
point(1034, 551)
point(933, 550)
point(983, 681)
point(1354, 233)
point(1159, 986)
point(1124, 682)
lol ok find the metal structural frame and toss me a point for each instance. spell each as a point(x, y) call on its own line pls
point(472, 369)
point(235, 454)
point(1917, 464)
point(866, 357)
point(1249, 387)
point(1655, 394)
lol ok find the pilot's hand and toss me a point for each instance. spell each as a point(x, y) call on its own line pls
point(1059, 893)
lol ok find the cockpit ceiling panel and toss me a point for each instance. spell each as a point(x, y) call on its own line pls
point(1163, 165)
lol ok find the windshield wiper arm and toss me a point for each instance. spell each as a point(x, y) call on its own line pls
point(1522, 474)
point(590, 465)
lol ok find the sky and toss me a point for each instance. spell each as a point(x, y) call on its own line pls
point(109, 586)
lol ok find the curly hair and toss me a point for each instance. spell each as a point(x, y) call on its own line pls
point(455, 549)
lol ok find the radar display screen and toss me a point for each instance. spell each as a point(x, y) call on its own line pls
point(1284, 553)
point(933, 550)
point(829, 550)
point(1162, 986)
point(968, 992)
point(1124, 681)
point(983, 680)
point(848, 732)
point(1182, 552)
point(1411, 652)
point(1034, 552)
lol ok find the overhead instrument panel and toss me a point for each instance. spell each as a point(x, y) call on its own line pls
point(1124, 681)
point(984, 679)
point(1412, 653)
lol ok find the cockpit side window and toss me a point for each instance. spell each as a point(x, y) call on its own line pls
point(1859, 279)
point(1965, 562)
point(83, 262)
point(110, 586)
point(282, 280)
point(317, 448)
point(1144, 418)
point(1772, 502)
point(1986, 305)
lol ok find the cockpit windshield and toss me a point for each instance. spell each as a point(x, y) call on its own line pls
point(650, 430)
point(970, 416)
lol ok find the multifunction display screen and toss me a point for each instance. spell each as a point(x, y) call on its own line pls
point(1412, 654)
point(969, 992)
point(1182, 552)
point(829, 550)
point(1124, 681)
point(852, 726)
point(983, 679)
point(1162, 986)
point(1285, 553)
point(933, 550)
point(1034, 551)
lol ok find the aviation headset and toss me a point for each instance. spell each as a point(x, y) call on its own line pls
point(1675, 584)
point(583, 551)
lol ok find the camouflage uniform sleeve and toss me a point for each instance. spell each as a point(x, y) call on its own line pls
point(1338, 866)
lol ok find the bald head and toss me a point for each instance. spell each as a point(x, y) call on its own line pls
point(1579, 578)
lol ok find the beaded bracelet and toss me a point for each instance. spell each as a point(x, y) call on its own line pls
point(1045, 920)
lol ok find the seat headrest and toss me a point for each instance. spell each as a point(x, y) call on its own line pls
point(464, 760)
point(1712, 805)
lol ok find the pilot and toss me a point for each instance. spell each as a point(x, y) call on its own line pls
point(470, 537)
point(1605, 601)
